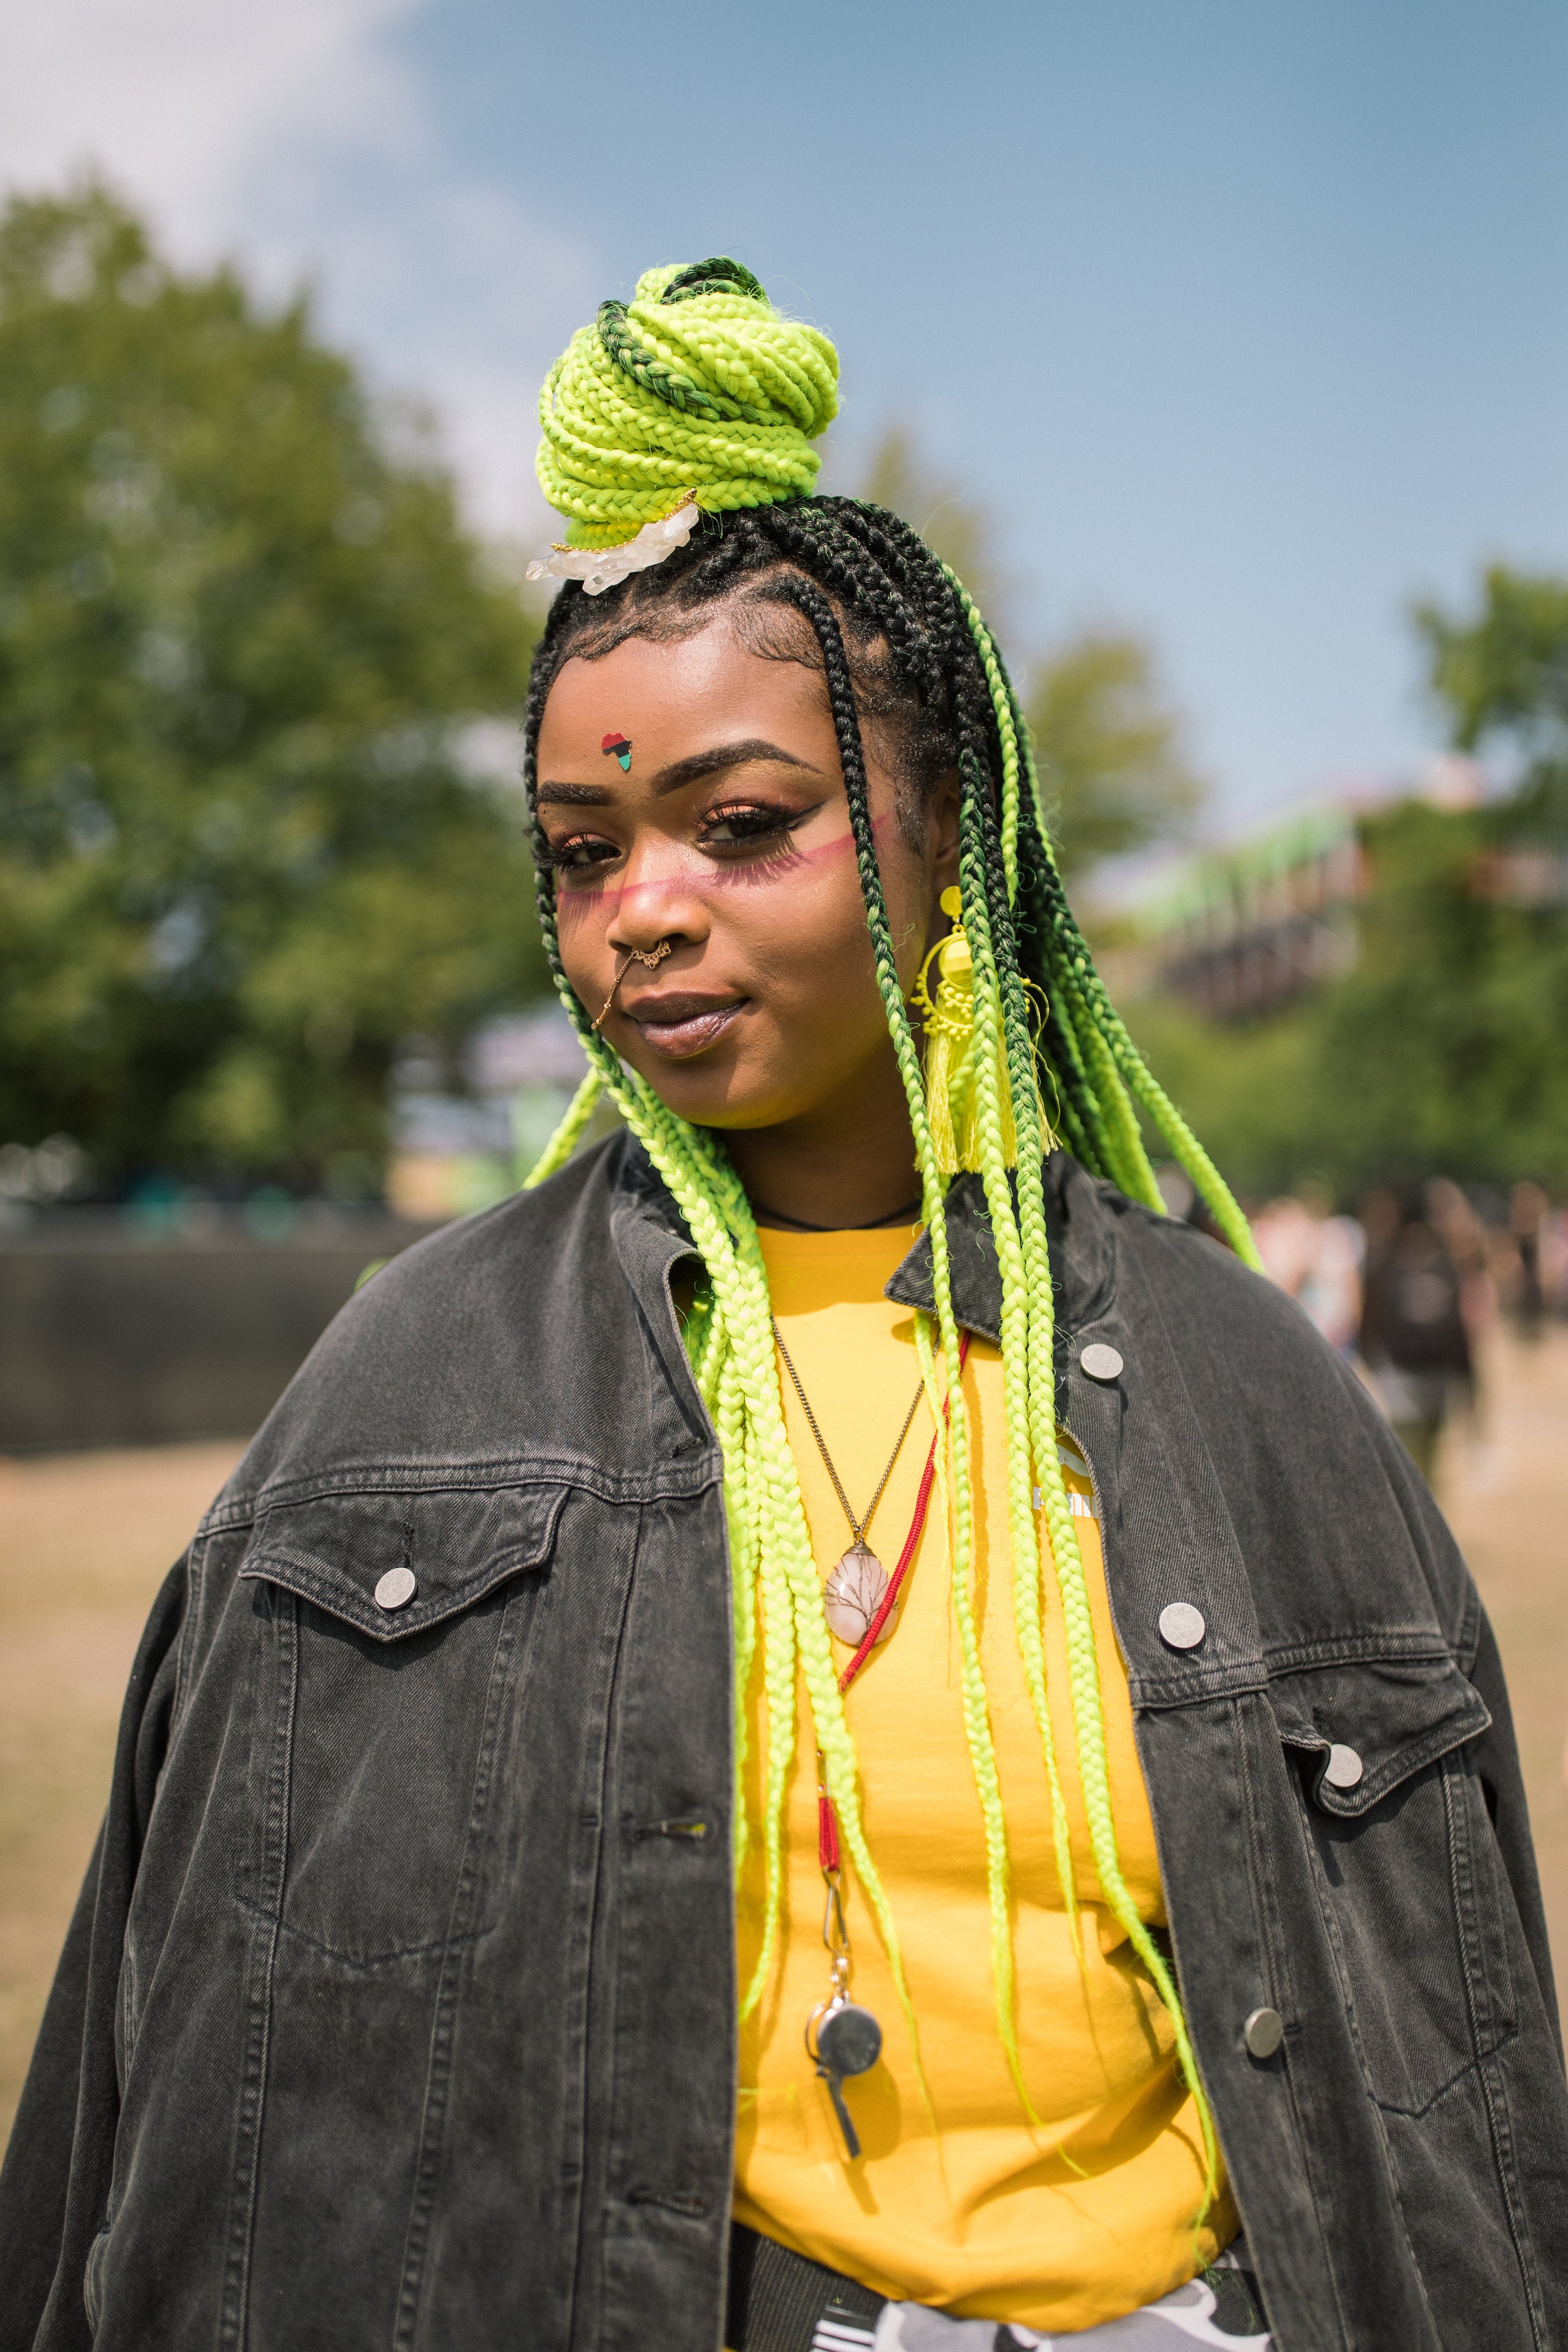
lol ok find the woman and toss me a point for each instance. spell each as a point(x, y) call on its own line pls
point(646, 1819)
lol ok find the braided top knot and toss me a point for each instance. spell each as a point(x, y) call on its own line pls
point(696, 386)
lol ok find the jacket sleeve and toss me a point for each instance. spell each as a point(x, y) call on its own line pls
point(54, 2190)
point(1497, 1762)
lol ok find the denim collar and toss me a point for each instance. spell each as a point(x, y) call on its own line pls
point(1077, 1231)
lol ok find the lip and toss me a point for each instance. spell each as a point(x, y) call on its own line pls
point(683, 1022)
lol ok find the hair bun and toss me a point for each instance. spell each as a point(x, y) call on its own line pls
point(696, 387)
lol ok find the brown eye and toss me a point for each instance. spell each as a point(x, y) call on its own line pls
point(578, 853)
point(729, 828)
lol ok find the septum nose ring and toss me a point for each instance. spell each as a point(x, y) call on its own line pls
point(632, 955)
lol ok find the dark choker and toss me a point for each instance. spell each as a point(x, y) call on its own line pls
point(907, 1215)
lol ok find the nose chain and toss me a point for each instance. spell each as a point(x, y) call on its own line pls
point(632, 955)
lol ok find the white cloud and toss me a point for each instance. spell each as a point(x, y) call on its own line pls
point(296, 135)
point(179, 100)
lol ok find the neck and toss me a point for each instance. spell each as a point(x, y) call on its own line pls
point(842, 1165)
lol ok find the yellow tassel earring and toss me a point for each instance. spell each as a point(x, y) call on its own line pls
point(951, 1092)
point(949, 1018)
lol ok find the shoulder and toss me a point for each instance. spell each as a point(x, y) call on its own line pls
point(1315, 1481)
point(1203, 1289)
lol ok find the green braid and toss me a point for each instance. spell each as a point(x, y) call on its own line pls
point(622, 437)
point(695, 387)
point(1019, 1359)
point(569, 1134)
point(976, 1718)
point(1067, 1559)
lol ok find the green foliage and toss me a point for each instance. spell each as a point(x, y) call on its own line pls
point(1507, 672)
point(1108, 746)
point(1109, 751)
point(242, 634)
point(953, 525)
point(1440, 1050)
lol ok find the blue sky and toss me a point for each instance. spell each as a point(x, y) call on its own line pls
point(1249, 322)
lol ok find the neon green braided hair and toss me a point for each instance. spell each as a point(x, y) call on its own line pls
point(696, 386)
point(635, 411)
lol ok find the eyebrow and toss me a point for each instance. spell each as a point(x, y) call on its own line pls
point(682, 772)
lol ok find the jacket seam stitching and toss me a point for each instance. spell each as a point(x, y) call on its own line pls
point(235, 2296)
point(1499, 2123)
point(1472, 2066)
point(1303, 2137)
point(1369, 1649)
point(632, 1488)
point(444, 2028)
point(352, 1960)
point(290, 1576)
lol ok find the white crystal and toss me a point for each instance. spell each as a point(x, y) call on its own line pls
point(599, 568)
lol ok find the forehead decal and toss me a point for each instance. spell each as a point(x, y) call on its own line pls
point(618, 747)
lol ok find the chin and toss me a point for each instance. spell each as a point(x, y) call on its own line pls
point(714, 1097)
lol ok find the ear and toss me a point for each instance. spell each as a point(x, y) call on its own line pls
point(941, 839)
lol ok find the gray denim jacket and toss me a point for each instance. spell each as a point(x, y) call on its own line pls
point(398, 2014)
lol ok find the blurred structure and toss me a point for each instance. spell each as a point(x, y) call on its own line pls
point(128, 1327)
point(1241, 931)
point(456, 1151)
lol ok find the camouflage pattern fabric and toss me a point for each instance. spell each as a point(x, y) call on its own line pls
point(1222, 2307)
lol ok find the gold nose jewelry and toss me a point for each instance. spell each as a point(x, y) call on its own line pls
point(632, 955)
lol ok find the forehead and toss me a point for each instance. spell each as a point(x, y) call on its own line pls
point(702, 686)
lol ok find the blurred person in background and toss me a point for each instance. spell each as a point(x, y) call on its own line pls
point(1529, 1211)
point(561, 1889)
point(1414, 1340)
point(1316, 1256)
point(1463, 1233)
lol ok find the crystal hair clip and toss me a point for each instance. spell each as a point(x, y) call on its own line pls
point(599, 568)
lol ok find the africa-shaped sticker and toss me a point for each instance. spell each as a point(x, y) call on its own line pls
point(621, 746)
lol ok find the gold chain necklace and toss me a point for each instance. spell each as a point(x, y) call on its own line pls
point(854, 1586)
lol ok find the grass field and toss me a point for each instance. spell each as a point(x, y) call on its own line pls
point(85, 1540)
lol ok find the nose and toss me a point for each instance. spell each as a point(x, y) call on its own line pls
point(657, 900)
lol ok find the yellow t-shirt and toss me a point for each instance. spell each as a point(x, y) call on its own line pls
point(1089, 2214)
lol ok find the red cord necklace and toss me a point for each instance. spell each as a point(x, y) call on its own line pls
point(841, 2037)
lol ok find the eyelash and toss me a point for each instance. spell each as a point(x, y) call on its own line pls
point(766, 822)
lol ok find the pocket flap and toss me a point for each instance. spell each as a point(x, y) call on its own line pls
point(456, 1545)
point(1369, 1723)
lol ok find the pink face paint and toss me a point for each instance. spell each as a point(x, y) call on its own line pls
point(703, 879)
point(619, 747)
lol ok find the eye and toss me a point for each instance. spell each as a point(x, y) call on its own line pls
point(578, 852)
point(739, 822)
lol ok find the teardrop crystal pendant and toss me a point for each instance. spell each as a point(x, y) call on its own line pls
point(853, 1594)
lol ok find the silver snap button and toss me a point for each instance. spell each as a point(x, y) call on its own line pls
point(1100, 1363)
point(398, 1586)
point(1344, 1768)
point(1263, 2032)
point(1182, 1625)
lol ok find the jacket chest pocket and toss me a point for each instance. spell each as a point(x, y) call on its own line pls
point(1407, 1869)
point(383, 1725)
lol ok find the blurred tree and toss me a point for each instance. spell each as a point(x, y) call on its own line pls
point(244, 851)
point(1108, 746)
point(1442, 1048)
point(899, 477)
point(1109, 751)
point(1506, 672)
